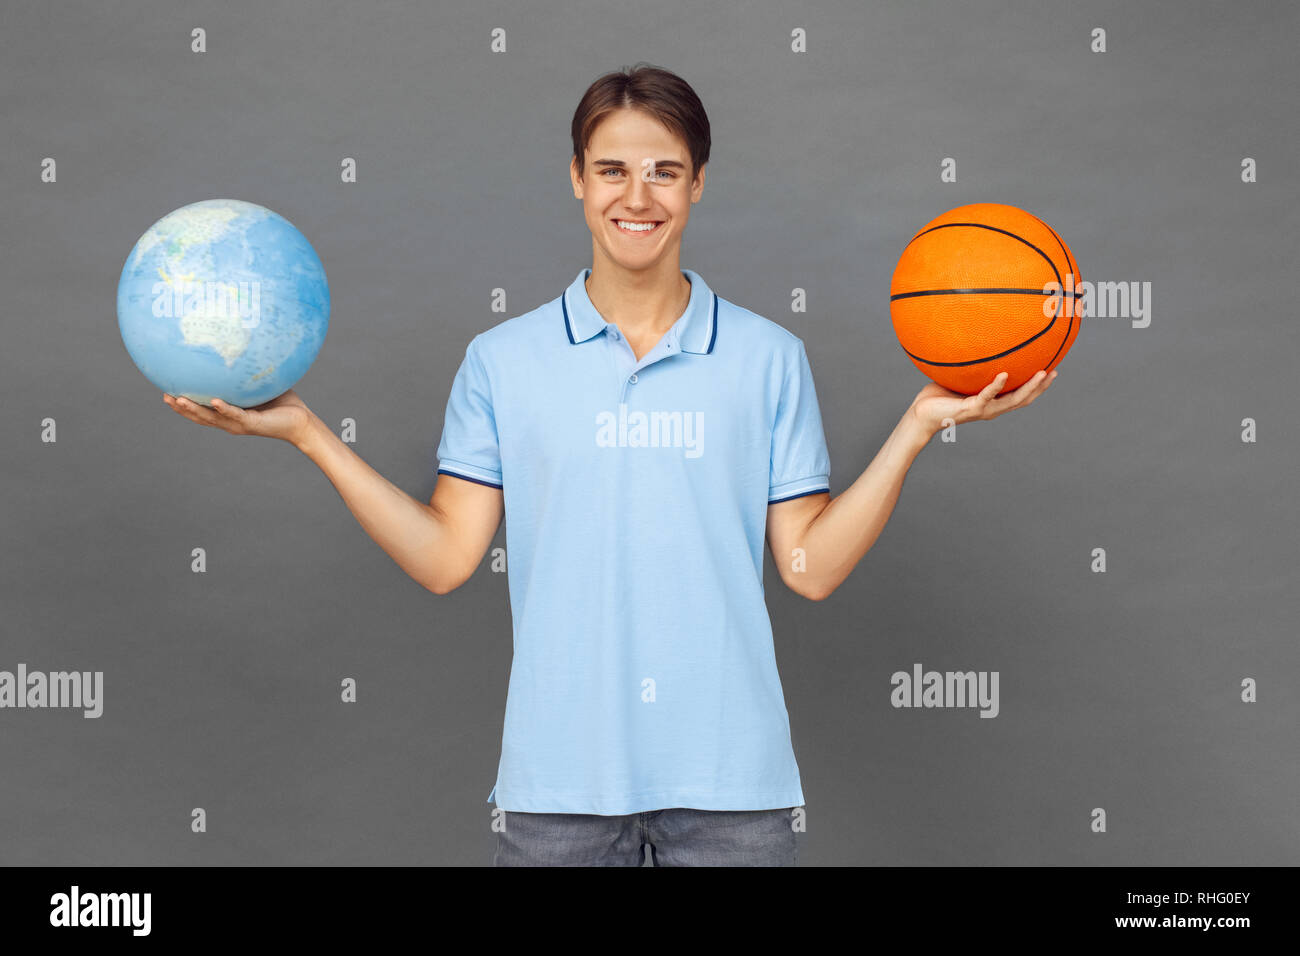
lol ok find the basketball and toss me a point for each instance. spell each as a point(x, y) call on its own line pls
point(984, 289)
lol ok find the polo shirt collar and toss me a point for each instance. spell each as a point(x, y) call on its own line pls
point(696, 331)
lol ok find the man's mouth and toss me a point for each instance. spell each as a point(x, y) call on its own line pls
point(633, 227)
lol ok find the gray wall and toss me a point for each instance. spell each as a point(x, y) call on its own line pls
point(1118, 690)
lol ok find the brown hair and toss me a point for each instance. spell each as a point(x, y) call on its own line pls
point(664, 95)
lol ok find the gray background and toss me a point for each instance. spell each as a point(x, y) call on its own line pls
point(1118, 690)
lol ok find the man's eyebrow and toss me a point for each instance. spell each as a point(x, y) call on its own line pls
point(667, 163)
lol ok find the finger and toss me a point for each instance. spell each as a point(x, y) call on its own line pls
point(976, 407)
point(232, 413)
point(1026, 390)
point(1021, 396)
point(176, 403)
point(990, 391)
point(196, 412)
point(1043, 386)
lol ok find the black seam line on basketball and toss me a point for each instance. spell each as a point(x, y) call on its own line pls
point(1066, 252)
point(908, 295)
point(978, 361)
point(1074, 272)
point(979, 225)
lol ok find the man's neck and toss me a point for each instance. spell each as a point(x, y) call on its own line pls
point(643, 305)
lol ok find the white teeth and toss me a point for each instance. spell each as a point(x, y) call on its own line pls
point(635, 226)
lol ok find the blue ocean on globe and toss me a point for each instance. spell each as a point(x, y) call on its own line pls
point(225, 299)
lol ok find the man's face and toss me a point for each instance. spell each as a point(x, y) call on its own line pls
point(636, 171)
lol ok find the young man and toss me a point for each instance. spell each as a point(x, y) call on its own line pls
point(642, 435)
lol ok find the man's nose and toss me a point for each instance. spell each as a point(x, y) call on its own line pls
point(638, 192)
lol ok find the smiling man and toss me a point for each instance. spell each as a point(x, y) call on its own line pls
point(644, 707)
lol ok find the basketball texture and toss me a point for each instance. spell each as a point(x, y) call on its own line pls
point(984, 289)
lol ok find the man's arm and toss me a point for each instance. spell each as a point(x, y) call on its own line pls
point(834, 534)
point(438, 544)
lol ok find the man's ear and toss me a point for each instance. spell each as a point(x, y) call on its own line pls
point(575, 176)
point(697, 187)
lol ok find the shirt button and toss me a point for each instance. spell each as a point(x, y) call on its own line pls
point(633, 378)
point(613, 333)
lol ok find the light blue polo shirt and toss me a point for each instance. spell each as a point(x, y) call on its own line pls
point(636, 497)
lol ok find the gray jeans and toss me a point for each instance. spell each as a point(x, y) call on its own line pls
point(676, 837)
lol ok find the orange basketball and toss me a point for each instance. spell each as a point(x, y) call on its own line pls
point(984, 289)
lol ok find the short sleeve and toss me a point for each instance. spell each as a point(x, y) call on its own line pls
point(469, 448)
point(801, 465)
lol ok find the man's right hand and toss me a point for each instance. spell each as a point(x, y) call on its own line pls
point(286, 417)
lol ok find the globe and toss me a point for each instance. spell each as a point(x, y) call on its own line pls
point(223, 299)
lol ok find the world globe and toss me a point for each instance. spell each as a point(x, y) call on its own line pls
point(223, 299)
